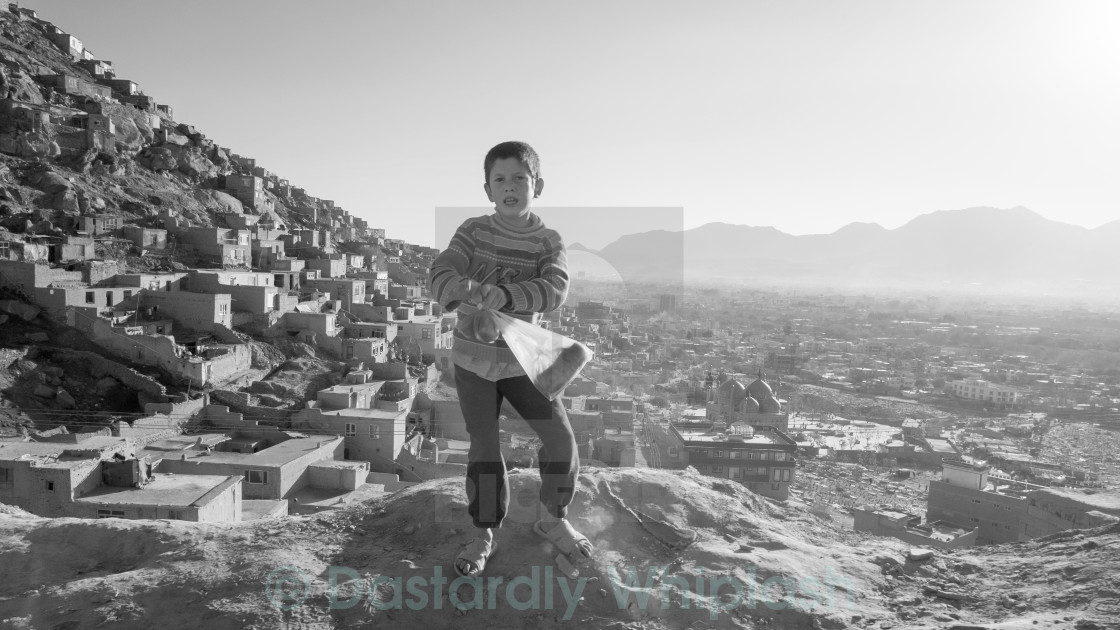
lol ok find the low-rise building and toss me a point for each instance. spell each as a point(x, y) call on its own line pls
point(999, 396)
point(761, 458)
point(909, 528)
point(101, 478)
point(276, 472)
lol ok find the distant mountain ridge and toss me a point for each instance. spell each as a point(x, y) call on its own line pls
point(1004, 250)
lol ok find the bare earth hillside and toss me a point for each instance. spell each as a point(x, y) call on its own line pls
point(388, 563)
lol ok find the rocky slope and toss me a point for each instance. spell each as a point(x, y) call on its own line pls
point(48, 178)
point(793, 570)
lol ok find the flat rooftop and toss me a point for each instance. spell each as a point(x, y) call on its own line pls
point(1103, 500)
point(371, 414)
point(275, 455)
point(940, 446)
point(184, 442)
point(722, 438)
point(164, 490)
point(51, 453)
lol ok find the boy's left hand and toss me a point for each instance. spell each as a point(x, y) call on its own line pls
point(493, 297)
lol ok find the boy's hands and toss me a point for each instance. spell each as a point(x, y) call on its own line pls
point(492, 296)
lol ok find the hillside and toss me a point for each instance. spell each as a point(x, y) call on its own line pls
point(71, 145)
point(67, 573)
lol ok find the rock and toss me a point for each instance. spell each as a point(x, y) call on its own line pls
point(192, 163)
point(42, 391)
point(50, 182)
point(161, 159)
point(885, 560)
point(919, 555)
point(106, 385)
point(65, 399)
point(3, 318)
point(268, 400)
point(22, 310)
point(66, 201)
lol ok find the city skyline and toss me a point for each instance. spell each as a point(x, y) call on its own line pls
point(802, 116)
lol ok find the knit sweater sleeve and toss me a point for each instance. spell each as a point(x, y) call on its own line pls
point(448, 274)
point(548, 290)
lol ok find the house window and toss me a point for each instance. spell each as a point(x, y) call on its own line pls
point(375, 432)
point(717, 453)
point(175, 515)
point(351, 429)
point(108, 298)
point(786, 474)
point(426, 333)
point(256, 476)
point(49, 485)
point(90, 299)
point(779, 457)
point(127, 294)
point(7, 475)
point(672, 451)
point(110, 514)
point(717, 470)
point(774, 487)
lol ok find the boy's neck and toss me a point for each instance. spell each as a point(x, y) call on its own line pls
point(522, 220)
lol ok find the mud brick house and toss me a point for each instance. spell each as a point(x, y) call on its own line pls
point(145, 238)
point(66, 42)
point(278, 471)
point(99, 68)
point(100, 477)
point(219, 245)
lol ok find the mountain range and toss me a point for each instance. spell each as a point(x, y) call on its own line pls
point(986, 249)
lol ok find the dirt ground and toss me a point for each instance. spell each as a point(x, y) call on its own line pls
point(380, 564)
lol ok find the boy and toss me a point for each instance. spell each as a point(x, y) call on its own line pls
point(508, 261)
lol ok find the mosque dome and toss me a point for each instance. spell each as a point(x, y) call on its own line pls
point(759, 390)
point(770, 404)
point(750, 405)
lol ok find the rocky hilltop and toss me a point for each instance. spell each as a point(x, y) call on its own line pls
point(77, 139)
point(388, 563)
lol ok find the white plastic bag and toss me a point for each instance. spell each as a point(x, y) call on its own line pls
point(550, 360)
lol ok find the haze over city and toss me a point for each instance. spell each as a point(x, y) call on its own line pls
point(805, 116)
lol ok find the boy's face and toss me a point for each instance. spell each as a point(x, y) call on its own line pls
point(512, 188)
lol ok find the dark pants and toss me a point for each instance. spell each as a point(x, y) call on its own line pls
point(487, 482)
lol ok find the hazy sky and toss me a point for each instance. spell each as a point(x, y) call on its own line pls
point(801, 115)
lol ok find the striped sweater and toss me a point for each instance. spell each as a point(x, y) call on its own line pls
point(530, 263)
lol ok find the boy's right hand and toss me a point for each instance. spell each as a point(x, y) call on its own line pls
point(493, 297)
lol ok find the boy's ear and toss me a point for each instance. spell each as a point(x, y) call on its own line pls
point(538, 187)
point(489, 196)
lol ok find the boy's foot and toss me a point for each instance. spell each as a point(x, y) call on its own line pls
point(564, 537)
point(472, 559)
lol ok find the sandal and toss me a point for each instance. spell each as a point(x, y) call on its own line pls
point(566, 539)
point(477, 553)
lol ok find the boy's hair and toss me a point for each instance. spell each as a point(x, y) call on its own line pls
point(520, 150)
